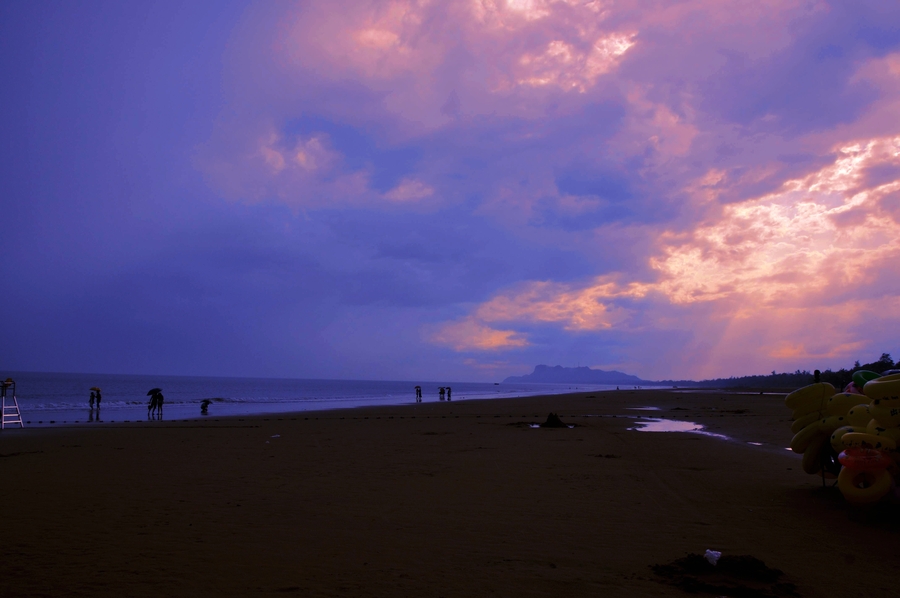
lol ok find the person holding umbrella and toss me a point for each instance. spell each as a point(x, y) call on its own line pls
point(95, 394)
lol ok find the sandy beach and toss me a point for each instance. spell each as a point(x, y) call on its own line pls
point(434, 499)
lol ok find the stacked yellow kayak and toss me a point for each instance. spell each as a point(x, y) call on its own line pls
point(863, 429)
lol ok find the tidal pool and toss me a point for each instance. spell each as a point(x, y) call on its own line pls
point(655, 424)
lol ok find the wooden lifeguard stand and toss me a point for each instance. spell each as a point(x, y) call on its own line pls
point(9, 407)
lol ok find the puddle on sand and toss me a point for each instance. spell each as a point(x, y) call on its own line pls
point(670, 425)
point(666, 425)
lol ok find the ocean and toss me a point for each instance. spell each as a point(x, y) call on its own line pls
point(48, 399)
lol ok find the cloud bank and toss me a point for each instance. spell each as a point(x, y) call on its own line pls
point(460, 189)
point(730, 174)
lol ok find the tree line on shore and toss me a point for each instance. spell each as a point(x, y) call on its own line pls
point(839, 378)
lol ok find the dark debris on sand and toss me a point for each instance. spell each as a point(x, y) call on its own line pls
point(735, 576)
point(553, 421)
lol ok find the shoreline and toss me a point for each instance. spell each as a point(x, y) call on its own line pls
point(277, 408)
point(428, 499)
point(179, 409)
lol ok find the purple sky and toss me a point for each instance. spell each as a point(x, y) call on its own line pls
point(449, 190)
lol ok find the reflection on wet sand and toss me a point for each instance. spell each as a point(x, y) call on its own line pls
point(671, 425)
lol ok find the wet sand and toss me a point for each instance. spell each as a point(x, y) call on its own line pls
point(435, 499)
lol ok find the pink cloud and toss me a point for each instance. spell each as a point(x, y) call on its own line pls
point(409, 190)
point(490, 54)
point(442, 65)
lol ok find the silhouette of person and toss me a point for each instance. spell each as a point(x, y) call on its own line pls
point(449, 390)
point(159, 404)
point(441, 392)
point(98, 399)
point(154, 403)
point(418, 394)
point(92, 399)
point(204, 406)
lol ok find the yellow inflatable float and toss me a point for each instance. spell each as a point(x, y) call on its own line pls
point(864, 487)
point(886, 411)
point(859, 415)
point(810, 397)
point(886, 387)
point(840, 431)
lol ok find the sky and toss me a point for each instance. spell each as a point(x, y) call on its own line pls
point(449, 190)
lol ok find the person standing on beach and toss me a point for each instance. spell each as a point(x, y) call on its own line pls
point(92, 399)
point(418, 394)
point(441, 393)
point(98, 399)
point(156, 404)
point(449, 390)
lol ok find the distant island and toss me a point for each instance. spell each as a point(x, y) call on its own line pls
point(585, 375)
point(582, 375)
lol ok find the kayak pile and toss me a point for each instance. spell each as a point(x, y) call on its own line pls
point(860, 426)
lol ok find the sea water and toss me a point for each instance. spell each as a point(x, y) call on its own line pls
point(54, 398)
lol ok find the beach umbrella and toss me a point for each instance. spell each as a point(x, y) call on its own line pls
point(153, 391)
point(97, 388)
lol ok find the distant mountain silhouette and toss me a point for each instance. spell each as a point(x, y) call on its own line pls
point(583, 375)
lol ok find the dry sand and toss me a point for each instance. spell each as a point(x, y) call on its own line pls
point(435, 499)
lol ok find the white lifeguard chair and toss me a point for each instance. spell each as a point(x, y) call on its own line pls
point(9, 407)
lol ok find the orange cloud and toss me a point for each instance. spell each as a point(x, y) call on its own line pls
point(789, 350)
point(470, 335)
point(589, 308)
point(817, 232)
